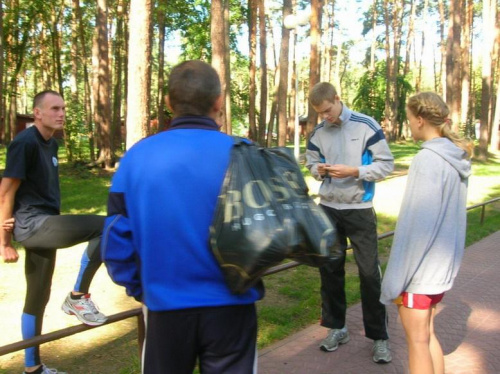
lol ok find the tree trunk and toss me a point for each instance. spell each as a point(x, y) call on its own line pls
point(442, 68)
point(410, 39)
point(101, 87)
point(489, 16)
point(82, 45)
point(292, 82)
point(263, 72)
point(118, 44)
point(45, 62)
point(453, 63)
point(272, 121)
point(74, 52)
point(2, 111)
point(125, 70)
point(139, 65)
point(56, 47)
point(283, 81)
point(495, 129)
point(314, 67)
point(397, 31)
point(56, 59)
point(252, 41)
point(373, 45)
point(217, 36)
point(466, 66)
point(495, 72)
point(227, 62)
point(73, 81)
point(18, 40)
point(328, 45)
point(12, 112)
point(161, 65)
point(389, 71)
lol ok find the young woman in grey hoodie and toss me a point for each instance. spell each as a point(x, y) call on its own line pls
point(429, 239)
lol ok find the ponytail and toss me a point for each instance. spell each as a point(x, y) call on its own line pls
point(459, 141)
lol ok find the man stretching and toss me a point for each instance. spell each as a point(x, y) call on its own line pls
point(29, 192)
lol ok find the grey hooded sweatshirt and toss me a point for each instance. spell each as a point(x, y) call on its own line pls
point(429, 239)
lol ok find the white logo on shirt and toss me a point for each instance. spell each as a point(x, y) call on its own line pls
point(54, 161)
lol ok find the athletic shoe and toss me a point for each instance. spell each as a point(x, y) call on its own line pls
point(46, 370)
point(381, 352)
point(84, 309)
point(334, 338)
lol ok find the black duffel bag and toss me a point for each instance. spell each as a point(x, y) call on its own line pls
point(265, 215)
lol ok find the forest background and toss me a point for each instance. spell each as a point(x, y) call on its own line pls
point(110, 59)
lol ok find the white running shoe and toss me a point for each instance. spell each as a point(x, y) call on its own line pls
point(46, 370)
point(84, 309)
point(334, 338)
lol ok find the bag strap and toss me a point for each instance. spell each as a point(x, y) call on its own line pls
point(238, 140)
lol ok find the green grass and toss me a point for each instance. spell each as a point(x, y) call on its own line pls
point(292, 300)
point(134, 366)
point(403, 153)
point(83, 190)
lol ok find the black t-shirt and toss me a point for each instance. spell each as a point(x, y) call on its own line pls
point(34, 160)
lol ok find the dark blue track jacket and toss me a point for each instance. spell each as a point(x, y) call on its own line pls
point(161, 204)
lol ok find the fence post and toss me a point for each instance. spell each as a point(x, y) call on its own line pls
point(141, 332)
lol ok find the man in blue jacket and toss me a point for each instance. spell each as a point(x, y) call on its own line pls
point(156, 237)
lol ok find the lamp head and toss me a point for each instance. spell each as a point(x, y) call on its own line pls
point(303, 18)
point(290, 22)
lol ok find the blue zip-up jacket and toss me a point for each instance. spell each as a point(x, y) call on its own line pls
point(358, 141)
point(161, 204)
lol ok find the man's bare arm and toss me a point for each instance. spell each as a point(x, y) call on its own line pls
point(8, 189)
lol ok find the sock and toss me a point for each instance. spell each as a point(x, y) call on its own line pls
point(76, 297)
point(37, 371)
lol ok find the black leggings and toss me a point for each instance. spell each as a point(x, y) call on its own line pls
point(56, 232)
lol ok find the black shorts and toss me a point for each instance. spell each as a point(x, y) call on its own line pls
point(223, 339)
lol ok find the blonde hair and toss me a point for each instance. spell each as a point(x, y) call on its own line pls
point(431, 107)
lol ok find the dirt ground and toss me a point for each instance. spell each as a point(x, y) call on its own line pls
point(103, 350)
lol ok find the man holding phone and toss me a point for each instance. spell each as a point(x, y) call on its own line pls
point(347, 151)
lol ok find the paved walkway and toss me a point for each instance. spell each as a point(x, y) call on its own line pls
point(467, 325)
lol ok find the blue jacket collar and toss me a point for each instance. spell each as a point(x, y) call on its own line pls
point(194, 122)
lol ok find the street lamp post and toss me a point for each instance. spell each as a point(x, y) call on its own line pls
point(292, 22)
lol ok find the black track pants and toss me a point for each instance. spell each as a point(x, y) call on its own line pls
point(360, 226)
point(223, 339)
